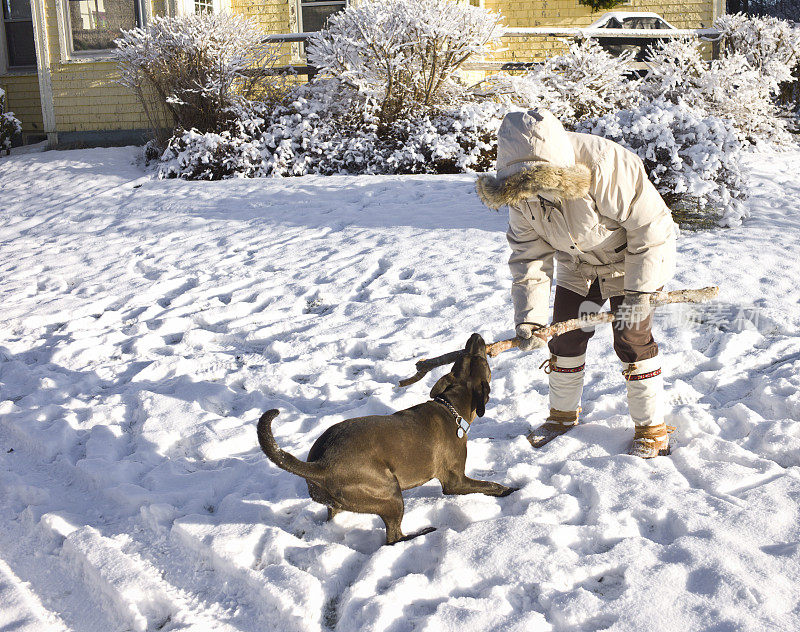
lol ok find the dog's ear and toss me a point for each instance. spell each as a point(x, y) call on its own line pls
point(441, 384)
point(480, 397)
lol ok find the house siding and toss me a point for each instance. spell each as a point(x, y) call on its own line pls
point(568, 13)
point(86, 97)
point(22, 98)
point(273, 16)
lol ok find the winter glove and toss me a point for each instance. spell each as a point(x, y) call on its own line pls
point(529, 340)
point(635, 308)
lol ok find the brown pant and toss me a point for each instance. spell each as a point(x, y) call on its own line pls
point(632, 342)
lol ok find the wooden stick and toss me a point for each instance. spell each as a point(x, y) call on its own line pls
point(556, 329)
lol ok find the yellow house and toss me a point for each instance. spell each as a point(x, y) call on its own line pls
point(56, 68)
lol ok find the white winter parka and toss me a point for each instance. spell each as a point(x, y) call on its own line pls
point(583, 201)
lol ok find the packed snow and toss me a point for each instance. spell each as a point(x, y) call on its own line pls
point(145, 325)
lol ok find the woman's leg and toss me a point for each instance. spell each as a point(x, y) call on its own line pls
point(638, 351)
point(566, 366)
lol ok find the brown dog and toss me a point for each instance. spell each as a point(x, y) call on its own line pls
point(363, 464)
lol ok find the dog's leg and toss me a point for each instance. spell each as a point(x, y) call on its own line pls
point(390, 508)
point(332, 512)
point(392, 515)
point(463, 484)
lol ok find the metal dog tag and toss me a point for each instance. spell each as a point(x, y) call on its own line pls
point(460, 433)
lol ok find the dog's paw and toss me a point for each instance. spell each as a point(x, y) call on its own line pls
point(508, 491)
point(411, 536)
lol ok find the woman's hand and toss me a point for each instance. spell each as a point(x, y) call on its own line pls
point(529, 338)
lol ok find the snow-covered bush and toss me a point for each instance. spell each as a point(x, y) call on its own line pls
point(695, 160)
point(391, 106)
point(585, 81)
point(688, 119)
point(9, 125)
point(329, 128)
point(403, 53)
point(770, 45)
point(728, 87)
point(197, 67)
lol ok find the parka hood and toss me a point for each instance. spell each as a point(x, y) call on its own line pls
point(534, 155)
point(568, 183)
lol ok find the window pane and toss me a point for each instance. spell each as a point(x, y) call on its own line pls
point(17, 9)
point(204, 6)
point(644, 23)
point(21, 50)
point(96, 23)
point(314, 17)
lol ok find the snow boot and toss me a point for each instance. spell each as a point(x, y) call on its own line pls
point(645, 404)
point(555, 425)
point(566, 386)
point(651, 441)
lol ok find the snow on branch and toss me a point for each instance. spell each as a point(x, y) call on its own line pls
point(402, 52)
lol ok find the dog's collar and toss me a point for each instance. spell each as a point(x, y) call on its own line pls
point(463, 424)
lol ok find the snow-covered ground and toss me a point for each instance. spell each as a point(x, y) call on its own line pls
point(145, 325)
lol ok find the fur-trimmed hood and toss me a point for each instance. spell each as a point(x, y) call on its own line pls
point(568, 183)
point(534, 155)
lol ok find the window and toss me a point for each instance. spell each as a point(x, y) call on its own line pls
point(314, 13)
point(189, 7)
point(204, 6)
point(95, 24)
point(20, 50)
point(88, 28)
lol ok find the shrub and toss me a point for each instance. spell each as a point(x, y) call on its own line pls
point(728, 87)
point(403, 53)
point(695, 160)
point(9, 125)
point(196, 68)
point(584, 82)
point(330, 128)
point(771, 46)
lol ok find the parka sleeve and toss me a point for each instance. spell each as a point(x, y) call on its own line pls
point(531, 264)
point(623, 192)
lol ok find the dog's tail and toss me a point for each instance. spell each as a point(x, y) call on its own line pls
point(281, 458)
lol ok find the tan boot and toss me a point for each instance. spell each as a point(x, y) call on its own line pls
point(554, 426)
point(651, 441)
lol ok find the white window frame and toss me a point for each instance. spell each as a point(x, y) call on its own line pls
point(298, 54)
point(69, 54)
point(5, 69)
point(144, 11)
point(298, 27)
